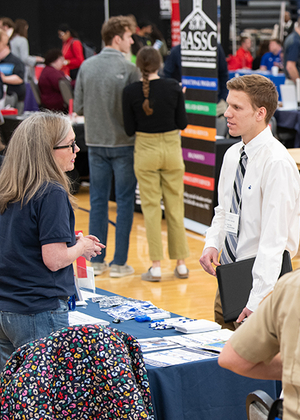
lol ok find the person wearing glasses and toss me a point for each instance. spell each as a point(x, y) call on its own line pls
point(37, 239)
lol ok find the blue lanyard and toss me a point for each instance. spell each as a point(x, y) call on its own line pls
point(72, 303)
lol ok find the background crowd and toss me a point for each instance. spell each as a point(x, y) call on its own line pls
point(133, 104)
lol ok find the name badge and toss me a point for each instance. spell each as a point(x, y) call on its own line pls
point(232, 223)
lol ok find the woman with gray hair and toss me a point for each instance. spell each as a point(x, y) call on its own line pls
point(37, 239)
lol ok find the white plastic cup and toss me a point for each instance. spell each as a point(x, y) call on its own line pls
point(274, 70)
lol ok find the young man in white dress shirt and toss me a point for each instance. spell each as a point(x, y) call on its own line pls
point(268, 222)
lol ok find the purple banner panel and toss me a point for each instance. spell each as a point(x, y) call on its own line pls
point(199, 157)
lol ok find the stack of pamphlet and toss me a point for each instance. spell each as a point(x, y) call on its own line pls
point(196, 326)
point(178, 349)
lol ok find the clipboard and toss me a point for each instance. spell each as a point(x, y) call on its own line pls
point(235, 283)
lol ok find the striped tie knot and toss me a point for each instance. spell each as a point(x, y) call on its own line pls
point(243, 155)
point(229, 250)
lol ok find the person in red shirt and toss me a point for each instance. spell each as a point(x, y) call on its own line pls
point(72, 51)
point(51, 97)
point(243, 54)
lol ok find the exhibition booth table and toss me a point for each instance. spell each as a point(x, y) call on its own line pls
point(194, 390)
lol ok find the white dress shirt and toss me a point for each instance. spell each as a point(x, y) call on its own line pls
point(269, 219)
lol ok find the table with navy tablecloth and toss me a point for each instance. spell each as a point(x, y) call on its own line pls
point(191, 391)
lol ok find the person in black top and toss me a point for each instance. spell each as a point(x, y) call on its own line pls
point(12, 71)
point(262, 49)
point(142, 37)
point(154, 110)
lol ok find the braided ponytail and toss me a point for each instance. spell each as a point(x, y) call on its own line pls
point(146, 90)
point(149, 61)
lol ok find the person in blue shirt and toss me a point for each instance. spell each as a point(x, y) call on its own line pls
point(37, 238)
point(273, 57)
point(291, 49)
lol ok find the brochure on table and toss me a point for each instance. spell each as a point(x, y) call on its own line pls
point(176, 356)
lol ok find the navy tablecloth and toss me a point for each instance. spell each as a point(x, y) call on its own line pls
point(191, 391)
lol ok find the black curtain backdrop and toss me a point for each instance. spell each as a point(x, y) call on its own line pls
point(84, 16)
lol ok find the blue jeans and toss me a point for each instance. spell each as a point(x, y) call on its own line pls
point(104, 162)
point(18, 329)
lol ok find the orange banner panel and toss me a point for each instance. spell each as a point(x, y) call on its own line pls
point(199, 181)
point(198, 132)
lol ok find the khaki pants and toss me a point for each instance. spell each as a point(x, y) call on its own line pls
point(219, 314)
point(159, 169)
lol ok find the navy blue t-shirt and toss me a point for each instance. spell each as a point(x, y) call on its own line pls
point(18, 68)
point(27, 286)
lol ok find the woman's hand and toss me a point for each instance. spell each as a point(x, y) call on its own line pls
point(91, 245)
point(58, 255)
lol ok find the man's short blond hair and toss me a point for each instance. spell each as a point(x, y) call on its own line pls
point(116, 25)
point(261, 91)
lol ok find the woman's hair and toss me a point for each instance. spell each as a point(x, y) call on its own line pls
point(21, 28)
point(29, 165)
point(148, 59)
point(52, 55)
point(6, 21)
point(261, 91)
point(64, 27)
point(263, 48)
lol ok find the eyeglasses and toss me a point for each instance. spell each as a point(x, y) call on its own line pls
point(73, 145)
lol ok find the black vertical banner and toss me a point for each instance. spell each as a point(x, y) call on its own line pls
point(199, 76)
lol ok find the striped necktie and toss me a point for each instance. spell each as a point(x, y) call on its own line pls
point(228, 254)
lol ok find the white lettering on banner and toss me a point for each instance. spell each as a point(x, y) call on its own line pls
point(200, 53)
point(165, 5)
point(198, 40)
point(196, 204)
point(197, 197)
point(197, 156)
point(199, 65)
point(200, 83)
point(196, 132)
point(196, 59)
point(195, 107)
point(197, 200)
point(196, 180)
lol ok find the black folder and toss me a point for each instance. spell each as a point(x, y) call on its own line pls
point(235, 284)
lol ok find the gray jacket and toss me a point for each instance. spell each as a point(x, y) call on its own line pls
point(98, 96)
point(20, 48)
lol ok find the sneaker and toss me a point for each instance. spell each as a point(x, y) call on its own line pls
point(181, 276)
point(99, 268)
point(120, 270)
point(149, 277)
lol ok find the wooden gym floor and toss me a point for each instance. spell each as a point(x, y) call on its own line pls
point(192, 297)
